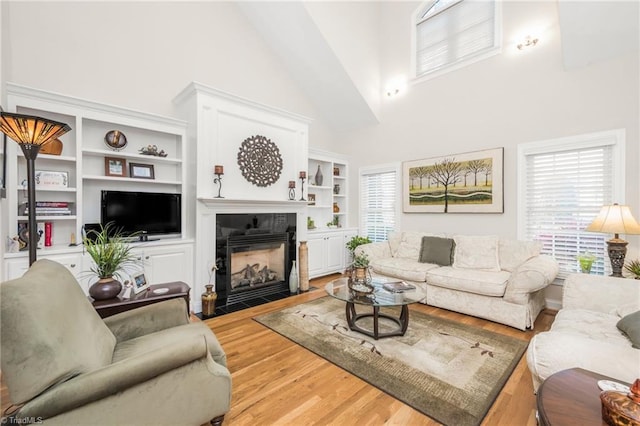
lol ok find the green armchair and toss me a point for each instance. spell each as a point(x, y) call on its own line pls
point(63, 364)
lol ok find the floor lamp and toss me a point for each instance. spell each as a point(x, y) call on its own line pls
point(615, 219)
point(31, 133)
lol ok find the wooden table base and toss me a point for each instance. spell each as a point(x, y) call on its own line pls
point(353, 317)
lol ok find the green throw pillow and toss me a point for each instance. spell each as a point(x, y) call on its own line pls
point(630, 325)
point(437, 250)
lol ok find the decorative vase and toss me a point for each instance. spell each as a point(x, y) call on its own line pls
point(620, 409)
point(293, 278)
point(336, 188)
point(209, 298)
point(336, 208)
point(319, 178)
point(303, 259)
point(105, 288)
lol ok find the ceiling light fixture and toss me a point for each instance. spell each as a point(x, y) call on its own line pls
point(528, 42)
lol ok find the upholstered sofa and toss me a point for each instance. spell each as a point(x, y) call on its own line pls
point(585, 332)
point(484, 276)
point(65, 365)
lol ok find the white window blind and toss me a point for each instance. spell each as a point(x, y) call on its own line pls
point(564, 192)
point(378, 203)
point(450, 32)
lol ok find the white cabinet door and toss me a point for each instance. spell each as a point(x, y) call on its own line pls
point(73, 262)
point(334, 245)
point(167, 264)
point(316, 245)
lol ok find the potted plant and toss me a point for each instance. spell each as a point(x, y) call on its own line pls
point(110, 252)
point(586, 262)
point(356, 241)
point(360, 266)
point(634, 268)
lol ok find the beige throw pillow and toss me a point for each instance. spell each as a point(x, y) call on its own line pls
point(476, 252)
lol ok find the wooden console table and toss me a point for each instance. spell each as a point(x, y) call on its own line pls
point(571, 397)
point(106, 308)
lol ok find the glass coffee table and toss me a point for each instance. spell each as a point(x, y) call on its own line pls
point(380, 297)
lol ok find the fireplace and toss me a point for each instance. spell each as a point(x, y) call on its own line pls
point(253, 254)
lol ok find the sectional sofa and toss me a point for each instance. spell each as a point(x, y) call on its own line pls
point(497, 279)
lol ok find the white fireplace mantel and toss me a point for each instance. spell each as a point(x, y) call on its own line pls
point(233, 203)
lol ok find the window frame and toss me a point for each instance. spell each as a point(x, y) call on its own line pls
point(378, 169)
point(415, 21)
point(615, 138)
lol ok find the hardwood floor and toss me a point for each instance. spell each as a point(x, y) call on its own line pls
point(276, 382)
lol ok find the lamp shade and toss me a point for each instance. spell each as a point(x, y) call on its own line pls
point(29, 129)
point(614, 219)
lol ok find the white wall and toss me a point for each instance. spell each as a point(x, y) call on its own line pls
point(141, 54)
point(514, 97)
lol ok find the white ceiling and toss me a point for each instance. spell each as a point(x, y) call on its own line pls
point(591, 31)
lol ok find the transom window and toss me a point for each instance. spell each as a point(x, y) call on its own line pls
point(449, 34)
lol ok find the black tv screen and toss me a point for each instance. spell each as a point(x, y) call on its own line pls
point(152, 213)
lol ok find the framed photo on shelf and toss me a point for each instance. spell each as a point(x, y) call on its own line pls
point(311, 199)
point(141, 171)
point(114, 166)
point(139, 282)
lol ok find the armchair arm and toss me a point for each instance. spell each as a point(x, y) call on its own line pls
point(98, 384)
point(533, 275)
point(148, 319)
point(599, 293)
point(375, 250)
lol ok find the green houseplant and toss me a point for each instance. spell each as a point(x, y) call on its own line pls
point(633, 267)
point(586, 261)
point(110, 252)
point(356, 241)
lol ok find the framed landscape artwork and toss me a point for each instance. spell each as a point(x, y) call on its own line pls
point(471, 182)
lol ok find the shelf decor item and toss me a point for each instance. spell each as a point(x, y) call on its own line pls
point(31, 132)
point(51, 179)
point(615, 219)
point(115, 140)
point(292, 190)
point(218, 170)
point(260, 161)
point(336, 188)
point(209, 298)
point(319, 177)
point(336, 208)
point(152, 150)
point(110, 253)
point(586, 262)
point(303, 176)
point(141, 171)
point(114, 166)
point(336, 171)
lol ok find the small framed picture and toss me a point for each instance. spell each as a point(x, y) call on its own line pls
point(139, 282)
point(311, 198)
point(141, 171)
point(114, 166)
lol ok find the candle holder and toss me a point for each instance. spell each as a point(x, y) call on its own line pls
point(218, 180)
point(292, 190)
point(302, 179)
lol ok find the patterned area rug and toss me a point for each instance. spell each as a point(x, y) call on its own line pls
point(449, 371)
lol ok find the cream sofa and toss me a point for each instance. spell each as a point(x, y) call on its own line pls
point(585, 334)
point(489, 277)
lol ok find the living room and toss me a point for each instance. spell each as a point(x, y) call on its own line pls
point(335, 62)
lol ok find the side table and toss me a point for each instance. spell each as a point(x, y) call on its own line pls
point(571, 397)
point(106, 308)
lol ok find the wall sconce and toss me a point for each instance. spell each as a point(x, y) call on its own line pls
point(528, 42)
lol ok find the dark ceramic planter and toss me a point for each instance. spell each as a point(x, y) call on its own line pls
point(105, 288)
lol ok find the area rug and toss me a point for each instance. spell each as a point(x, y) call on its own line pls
point(447, 370)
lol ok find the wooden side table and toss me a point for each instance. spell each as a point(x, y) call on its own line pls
point(106, 308)
point(571, 397)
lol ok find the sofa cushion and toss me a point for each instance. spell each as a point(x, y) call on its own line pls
point(598, 326)
point(630, 325)
point(488, 283)
point(437, 250)
point(409, 247)
point(394, 239)
point(513, 253)
point(406, 269)
point(476, 252)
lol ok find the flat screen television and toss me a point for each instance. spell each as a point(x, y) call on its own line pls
point(147, 213)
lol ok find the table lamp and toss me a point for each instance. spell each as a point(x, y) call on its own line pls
point(31, 132)
point(615, 219)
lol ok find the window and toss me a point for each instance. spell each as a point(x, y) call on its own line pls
point(562, 184)
point(448, 34)
point(379, 201)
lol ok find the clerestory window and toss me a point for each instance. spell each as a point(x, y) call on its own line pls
point(449, 34)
